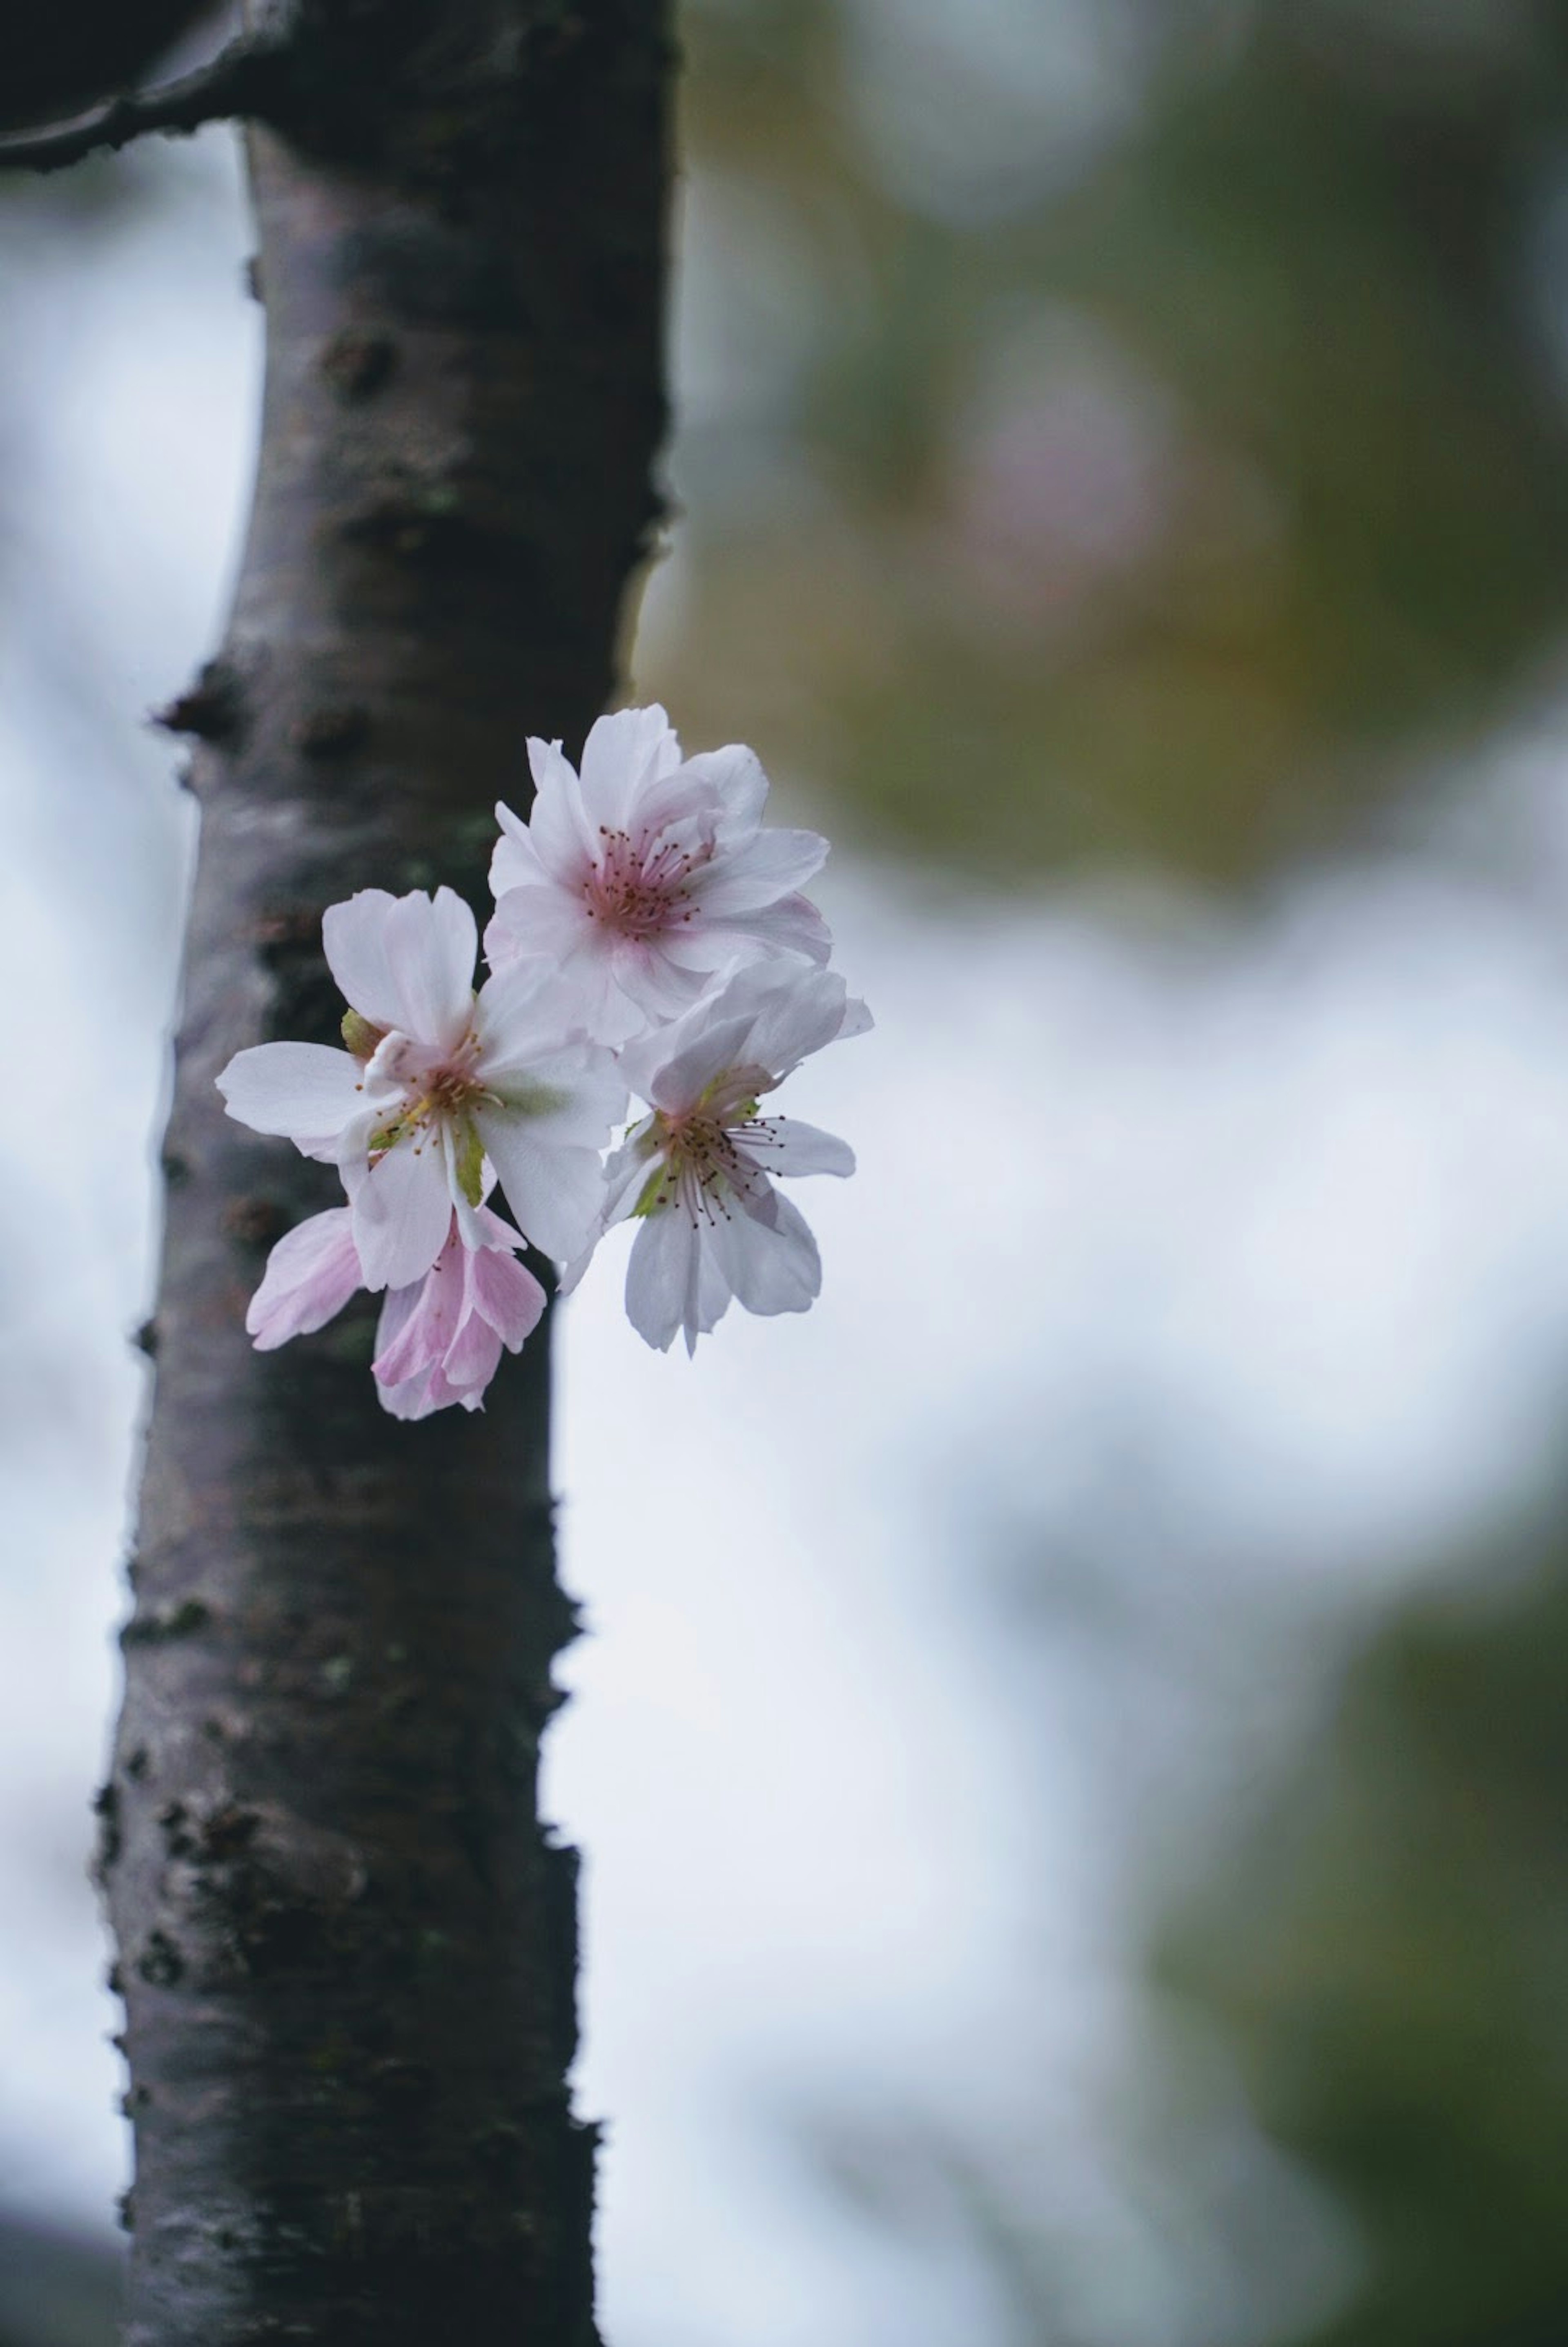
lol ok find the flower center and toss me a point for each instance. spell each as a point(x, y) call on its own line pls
point(703, 1163)
point(438, 1088)
point(639, 886)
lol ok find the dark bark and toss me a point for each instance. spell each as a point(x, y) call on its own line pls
point(56, 60)
point(346, 1946)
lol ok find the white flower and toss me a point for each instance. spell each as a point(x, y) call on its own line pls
point(695, 1172)
point(438, 1088)
point(647, 874)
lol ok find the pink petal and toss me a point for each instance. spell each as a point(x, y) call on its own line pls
point(506, 1294)
point(474, 1355)
point(418, 1323)
point(310, 1276)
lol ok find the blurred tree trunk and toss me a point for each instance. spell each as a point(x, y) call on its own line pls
point(346, 1949)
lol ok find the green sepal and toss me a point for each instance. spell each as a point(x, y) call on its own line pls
point(359, 1036)
point(470, 1161)
point(648, 1195)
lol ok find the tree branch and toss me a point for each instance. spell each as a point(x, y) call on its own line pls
point(245, 77)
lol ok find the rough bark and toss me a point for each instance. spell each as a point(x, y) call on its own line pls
point(346, 1946)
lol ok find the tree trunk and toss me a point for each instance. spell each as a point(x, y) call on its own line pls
point(346, 1947)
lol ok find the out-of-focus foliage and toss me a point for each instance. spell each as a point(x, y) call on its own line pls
point(1123, 430)
point(1134, 431)
point(1388, 1959)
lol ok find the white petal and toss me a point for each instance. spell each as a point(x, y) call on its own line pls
point(799, 1010)
point(772, 865)
point(708, 1049)
point(571, 1097)
point(531, 922)
point(554, 1193)
point(626, 1173)
point(354, 936)
point(523, 1011)
point(624, 754)
point(432, 944)
point(735, 775)
point(767, 1255)
point(405, 961)
point(792, 926)
point(306, 1090)
point(402, 1214)
point(653, 989)
point(662, 1276)
point(791, 1147)
point(513, 862)
point(559, 832)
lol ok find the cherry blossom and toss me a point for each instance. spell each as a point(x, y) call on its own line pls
point(439, 1340)
point(696, 1171)
point(438, 1088)
point(645, 875)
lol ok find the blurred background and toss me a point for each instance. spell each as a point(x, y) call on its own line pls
point(1077, 1843)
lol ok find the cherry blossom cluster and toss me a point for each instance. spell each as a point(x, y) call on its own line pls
point(649, 940)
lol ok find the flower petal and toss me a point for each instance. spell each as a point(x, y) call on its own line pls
point(553, 1193)
point(559, 831)
point(798, 1010)
point(790, 1147)
point(420, 1397)
point(402, 1214)
point(514, 861)
point(624, 754)
point(305, 1091)
point(735, 775)
point(792, 926)
point(672, 1068)
point(773, 864)
point(474, 1355)
point(767, 1255)
point(660, 1276)
point(405, 961)
point(413, 1337)
point(310, 1276)
point(504, 1293)
point(533, 921)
